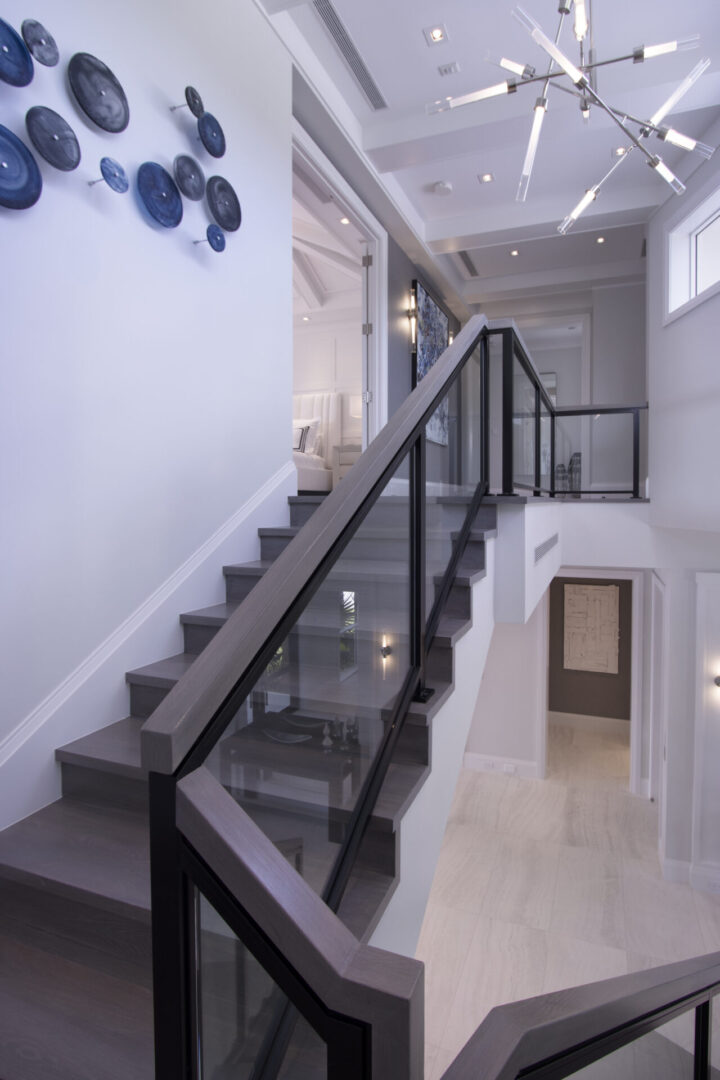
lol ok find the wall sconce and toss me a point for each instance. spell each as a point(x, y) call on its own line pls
point(716, 680)
point(451, 337)
point(412, 316)
point(386, 651)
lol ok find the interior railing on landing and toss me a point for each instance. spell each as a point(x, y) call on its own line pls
point(266, 760)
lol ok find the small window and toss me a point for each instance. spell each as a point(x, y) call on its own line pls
point(694, 256)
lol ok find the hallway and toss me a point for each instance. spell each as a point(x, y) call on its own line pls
point(545, 884)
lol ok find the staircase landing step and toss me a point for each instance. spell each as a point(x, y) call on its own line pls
point(96, 854)
point(113, 749)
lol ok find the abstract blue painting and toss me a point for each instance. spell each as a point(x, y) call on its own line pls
point(432, 335)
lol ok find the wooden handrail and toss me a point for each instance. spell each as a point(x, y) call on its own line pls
point(181, 718)
point(577, 1026)
point(372, 986)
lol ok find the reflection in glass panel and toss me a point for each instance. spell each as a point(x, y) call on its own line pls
point(523, 427)
point(545, 447)
point(239, 1009)
point(296, 753)
point(453, 467)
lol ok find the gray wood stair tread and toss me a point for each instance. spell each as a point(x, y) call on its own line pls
point(280, 530)
point(98, 854)
point(60, 1020)
point(164, 673)
point(215, 615)
point(113, 749)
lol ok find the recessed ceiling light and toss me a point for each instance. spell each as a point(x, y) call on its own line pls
point(306, 318)
point(434, 35)
point(600, 240)
point(486, 178)
point(514, 251)
point(344, 220)
point(620, 151)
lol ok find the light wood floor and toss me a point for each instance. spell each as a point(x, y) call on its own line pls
point(545, 884)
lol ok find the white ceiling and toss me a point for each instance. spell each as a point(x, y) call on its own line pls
point(411, 150)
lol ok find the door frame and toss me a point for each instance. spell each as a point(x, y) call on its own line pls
point(375, 291)
point(657, 704)
point(638, 785)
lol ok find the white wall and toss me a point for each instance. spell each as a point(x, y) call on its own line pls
point(683, 379)
point(705, 869)
point(147, 381)
point(509, 718)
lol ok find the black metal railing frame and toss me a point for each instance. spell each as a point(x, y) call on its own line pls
point(513, 350)
point(177, 871)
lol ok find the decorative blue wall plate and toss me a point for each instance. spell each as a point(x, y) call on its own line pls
point(40, 43)
point(212, 135)
point(223, 203)
point(98, 93)
point(114, 175)
point(53, 138)
point(16, 66)
point(195, 102)
point(216, 238)
point(160, 194)
point(189, 177)
point(20, 179)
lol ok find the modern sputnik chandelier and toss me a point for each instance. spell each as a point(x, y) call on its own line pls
point(584, 87)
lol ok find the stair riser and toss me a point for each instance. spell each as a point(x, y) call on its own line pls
point(439, 664)
point(238, 586)
point(108, 789)
point(110, 942)
point(144, 700)
point(196, 637)
point(272, 546)
point(301, 512)
point(394, 548)
point(459, 602)
point(486, 517)
point(371, 595)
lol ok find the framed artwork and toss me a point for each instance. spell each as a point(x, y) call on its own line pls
point(431, 338)
point(592, 628)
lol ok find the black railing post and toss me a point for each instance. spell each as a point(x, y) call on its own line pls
point(636, 453)
point(418, 577)
point(552, 454)
point(171, 937)
point(538, 441)
point(485, 406)
point(507, 413)
point(703, 1035)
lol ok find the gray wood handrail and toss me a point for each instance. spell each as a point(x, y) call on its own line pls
point(179, 721)
point(375, 987)
point(612, 1012)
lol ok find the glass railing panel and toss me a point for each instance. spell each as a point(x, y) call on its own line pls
point(523, 427)
point(659, 1055)
point(240, 1010)
point(545, 447)
point(453, 469)
point(572, 440)
point(297, 751)
point(594, 453)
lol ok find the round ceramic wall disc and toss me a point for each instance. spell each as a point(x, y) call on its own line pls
point(53, 138)
point(224, 204)
point(189, 177)
point(20, 179)
point(216, 238)
point(212, 135)
point(40, 43)
point(98, 93)
point(114, 175)
point(16, 65)
point(195, 102)
point(160, 195)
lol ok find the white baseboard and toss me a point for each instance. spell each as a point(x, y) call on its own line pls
point(706, 877)
point(675, 870)
point(513, 766)
point(604, 724)
point(75, 681)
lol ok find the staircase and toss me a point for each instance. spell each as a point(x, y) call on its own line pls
point(75, 950)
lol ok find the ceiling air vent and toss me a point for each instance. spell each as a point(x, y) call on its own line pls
point(468, 263)
point(352, 57)
point(449, 69)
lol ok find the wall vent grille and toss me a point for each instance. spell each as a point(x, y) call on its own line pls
point(352, 57)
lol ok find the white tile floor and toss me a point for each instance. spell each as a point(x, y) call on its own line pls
point(545, 884)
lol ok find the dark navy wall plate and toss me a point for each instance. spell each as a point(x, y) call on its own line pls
point(224, 204)
point(53, 138)
point(212, 135)
point(98, 93)
point(16, 65)
point(114, 175)
point(216, 238)
point(159, 194)
point(189, 177)
point(20, 179)
point(40, 43)
point(195, 102)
